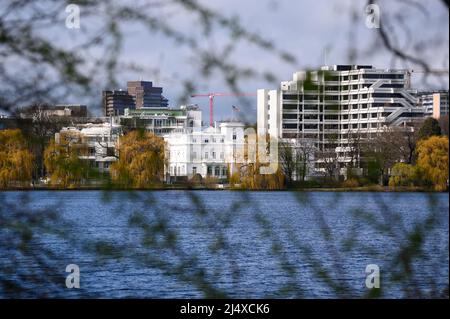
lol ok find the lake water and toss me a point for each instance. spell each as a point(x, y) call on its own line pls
point(191, 244)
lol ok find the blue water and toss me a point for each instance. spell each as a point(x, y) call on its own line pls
point(241, 244)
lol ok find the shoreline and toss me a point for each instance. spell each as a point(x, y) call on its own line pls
point(374, 189)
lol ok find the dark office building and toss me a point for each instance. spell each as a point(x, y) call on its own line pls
point(116, 101)
point(146, 95)
point(139, 94)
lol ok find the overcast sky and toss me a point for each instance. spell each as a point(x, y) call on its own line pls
point(303, 28)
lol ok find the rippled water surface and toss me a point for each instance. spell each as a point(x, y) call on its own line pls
point(275, 242)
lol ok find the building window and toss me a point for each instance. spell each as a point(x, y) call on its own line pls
point(206, 155)
point(217, 171)
point(209, 170)
point(194, 140)
point(194, 170)
point(194, 155)
point(221, 155)
point(224, 171)
point(234, 136)
point(206, 140)
point(214, 155)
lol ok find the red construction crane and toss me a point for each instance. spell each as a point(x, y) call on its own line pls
point(211, 97)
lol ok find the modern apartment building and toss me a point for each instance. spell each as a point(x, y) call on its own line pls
point(328, 107)
point(435, 103)
point(163, 121)
point(139, 94)
point(214, 151)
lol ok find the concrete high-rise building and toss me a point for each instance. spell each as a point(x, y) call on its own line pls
point(435, 103)
point(139, 94)
point(327, 107)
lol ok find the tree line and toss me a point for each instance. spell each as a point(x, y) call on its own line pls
point(395, 157)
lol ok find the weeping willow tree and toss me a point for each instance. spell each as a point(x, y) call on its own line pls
point(63, 160)
point(141, 162)
point(433, 160)
point(16, 161)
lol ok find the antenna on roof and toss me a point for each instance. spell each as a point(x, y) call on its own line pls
point(326, 49)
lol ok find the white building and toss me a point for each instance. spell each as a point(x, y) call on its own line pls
point(100, 140)
point(330, 106)
point(161, 121)
point(213, 151)
point(435, 103)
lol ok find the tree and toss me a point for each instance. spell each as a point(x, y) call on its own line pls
point(382, 151)
point(443, 123)
point(304, 151)
point(141, 160)
point(430, 127)
point(403, 174)
point(251, 178)
point(289, 160)
point(63, 160)
point(328, 159)
point(432, 158)
point(39, 128)
point(16, 161)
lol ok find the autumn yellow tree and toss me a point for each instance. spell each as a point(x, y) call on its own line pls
point(63, 162)
point(141, 160)
point(251, 178)
point(432, 159)
point(16, 161)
